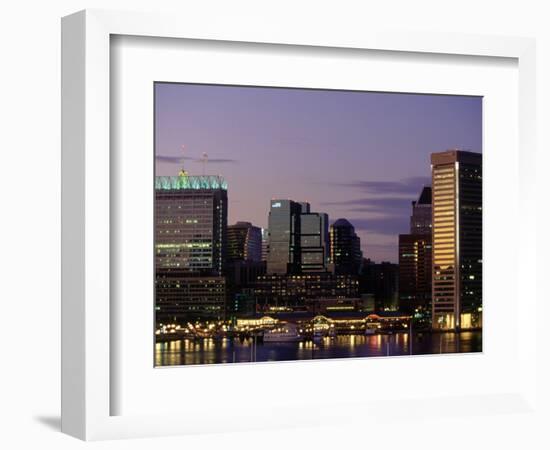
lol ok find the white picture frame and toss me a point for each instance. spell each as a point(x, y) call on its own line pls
point(87, 325)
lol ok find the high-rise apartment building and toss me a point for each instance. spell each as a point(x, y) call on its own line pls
point(244, 242)
point(345, 248)
point(457, 240)
point(190, 246)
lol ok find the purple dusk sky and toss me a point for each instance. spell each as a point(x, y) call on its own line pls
point(360, 155)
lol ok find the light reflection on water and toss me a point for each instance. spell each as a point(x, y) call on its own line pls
point(211, 351)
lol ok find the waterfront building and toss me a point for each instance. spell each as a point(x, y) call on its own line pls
point(284, 235)
point(293, 291)
point(345, 248)
point(241, 278)
point(190, 246)
point(342, 322)
point(421, 217)
point(331, 305)
point(244, 242)
point(381, 281)
point(181, 298)
point(457, 240)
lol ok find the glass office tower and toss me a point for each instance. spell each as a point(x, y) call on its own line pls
point(314, 242)
point(457, 240)
point(284, 236)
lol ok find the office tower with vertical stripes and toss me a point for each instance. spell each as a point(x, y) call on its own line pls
point(457, 240)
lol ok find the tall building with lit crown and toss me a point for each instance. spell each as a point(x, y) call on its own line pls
point(190, 246)
point(457, 240)
point(345, 248)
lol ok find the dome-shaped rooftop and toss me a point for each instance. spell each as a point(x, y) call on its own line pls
point(342, 223)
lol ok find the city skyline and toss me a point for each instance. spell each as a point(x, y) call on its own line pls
point(370, 241)
point(367, 166)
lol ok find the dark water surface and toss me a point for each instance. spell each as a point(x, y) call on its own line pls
point(210, 351)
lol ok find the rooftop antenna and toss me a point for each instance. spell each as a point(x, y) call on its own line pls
point(183, 172)
point(204, 160)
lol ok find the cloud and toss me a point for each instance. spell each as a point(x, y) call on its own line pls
point(220, 161)
point(180, 159)
point(411, 185)
point(172, 159)
point(391, 225)
point(378, 204)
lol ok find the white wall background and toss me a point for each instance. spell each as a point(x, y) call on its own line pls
point(30, 198)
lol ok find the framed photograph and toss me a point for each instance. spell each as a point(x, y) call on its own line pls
point(298, 218)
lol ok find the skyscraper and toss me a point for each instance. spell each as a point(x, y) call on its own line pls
point(345, 248)
point(190, 246)
point(457, 239)
point(421, 218)
point(284, 236)
point(415, 260)
point(314, 242)
point(415, 273)
point(244, 265)
point(265, 243)
point(244, 242)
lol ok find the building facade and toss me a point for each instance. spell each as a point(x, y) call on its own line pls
point(415, 261)
point(415, 274)
point(244, 242)
point(190, 246)
point(457, 240)
point(345, 248)
point(274, 291)
point(265, 243)
point(380, 280)
point(181, 298)
point(421, 217)
point(284, 235)
point(314, 242)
